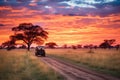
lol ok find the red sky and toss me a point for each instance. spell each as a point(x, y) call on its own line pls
point(63, 28)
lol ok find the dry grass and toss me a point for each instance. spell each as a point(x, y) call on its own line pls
point(23, 65)
point(107, 60)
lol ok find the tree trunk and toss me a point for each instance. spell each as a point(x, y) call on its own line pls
point(28, 48)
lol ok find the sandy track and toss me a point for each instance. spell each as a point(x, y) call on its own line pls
point(72, 72)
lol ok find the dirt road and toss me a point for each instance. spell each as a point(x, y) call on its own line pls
point(72, 72)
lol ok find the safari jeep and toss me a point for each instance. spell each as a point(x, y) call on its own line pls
point(40, 51)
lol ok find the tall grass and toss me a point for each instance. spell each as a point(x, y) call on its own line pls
point(23, 65)
point(105, 60)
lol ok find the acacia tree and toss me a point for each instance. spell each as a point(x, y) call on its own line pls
point(8, 45)
point(29, 33)
point(107, 43)
point(51, 44)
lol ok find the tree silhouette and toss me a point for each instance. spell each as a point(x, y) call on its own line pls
point(65, 46)
point(79, 46)
point(51, 44)
point(117, 46)
point(73, 47)
point(29, 33)
point(107, 43)
point(9, 45)
point(1, 46)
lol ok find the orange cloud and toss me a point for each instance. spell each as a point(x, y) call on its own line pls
point(5, 8)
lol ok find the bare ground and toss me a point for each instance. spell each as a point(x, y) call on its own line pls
point(72, 72)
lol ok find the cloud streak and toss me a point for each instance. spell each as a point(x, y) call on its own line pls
point(65, 7)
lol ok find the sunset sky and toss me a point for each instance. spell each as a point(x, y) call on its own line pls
point(67, 21)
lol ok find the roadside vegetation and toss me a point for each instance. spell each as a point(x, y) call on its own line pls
point(102, 60)
point(23, 65)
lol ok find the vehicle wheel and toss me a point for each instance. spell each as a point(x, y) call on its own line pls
point(43, 55)
point(36, 54)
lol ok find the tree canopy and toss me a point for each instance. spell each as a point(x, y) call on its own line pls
point(51, 44)
point(107, 43)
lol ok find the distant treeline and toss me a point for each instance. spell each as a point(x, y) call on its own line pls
point(106, 44)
